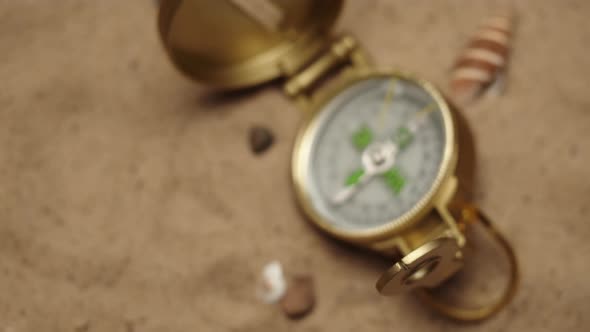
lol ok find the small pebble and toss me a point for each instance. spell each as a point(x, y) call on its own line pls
point(82, 326)
point(299, 299)
point(261, 139)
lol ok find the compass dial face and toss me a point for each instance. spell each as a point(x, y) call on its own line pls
point(375, 152)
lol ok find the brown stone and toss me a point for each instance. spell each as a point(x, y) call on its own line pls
point(261, 138)
point(299, 299)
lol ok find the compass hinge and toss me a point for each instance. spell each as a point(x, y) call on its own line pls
point(342, 51)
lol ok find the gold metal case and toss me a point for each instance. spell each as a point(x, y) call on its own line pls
point(240, 43)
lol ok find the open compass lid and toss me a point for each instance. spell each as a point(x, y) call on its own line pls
point(240, 43)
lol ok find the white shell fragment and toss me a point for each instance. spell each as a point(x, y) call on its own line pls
point(273, 284)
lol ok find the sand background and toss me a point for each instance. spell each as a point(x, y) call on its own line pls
point(129, 199)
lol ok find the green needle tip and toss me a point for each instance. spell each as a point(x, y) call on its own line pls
point(362, 137)
point(394, 180)
point(354, 177)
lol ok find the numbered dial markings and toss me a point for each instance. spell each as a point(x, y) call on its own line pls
point(376, 152)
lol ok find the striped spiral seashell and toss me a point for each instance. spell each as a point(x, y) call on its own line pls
point(483, 60)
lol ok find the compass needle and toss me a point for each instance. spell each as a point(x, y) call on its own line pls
point(354, 177)
point(387, 100)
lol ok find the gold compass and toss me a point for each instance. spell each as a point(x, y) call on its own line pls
point(378, 149)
